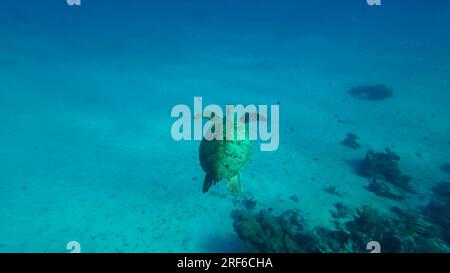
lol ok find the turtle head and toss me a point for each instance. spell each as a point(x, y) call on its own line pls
point(252, 117)
point(207, 115)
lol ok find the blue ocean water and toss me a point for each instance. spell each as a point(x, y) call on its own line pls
point(86, 92)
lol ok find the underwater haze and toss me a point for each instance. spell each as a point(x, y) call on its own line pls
point(87, 155)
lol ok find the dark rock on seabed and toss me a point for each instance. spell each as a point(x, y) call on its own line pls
point(384, 174)
point(263, 232)
point(341, 211)
point(382, 188)
point(438, 209)
point(351, 141)
point(371, 92)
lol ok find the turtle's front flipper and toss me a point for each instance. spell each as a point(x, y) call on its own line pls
point(207, 183)
point(234, 185)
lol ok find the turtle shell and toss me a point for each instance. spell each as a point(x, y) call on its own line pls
point(224, 159)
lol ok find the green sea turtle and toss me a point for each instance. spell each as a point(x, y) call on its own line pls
point(224, 159)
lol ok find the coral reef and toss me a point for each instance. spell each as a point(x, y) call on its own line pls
point(340, 214)
point(383, 188)
point(438, 209)
point(383, 172)
point(396, 235)
point(341, 211)
point(263, 232)
point(351, 141)
point(371, 92)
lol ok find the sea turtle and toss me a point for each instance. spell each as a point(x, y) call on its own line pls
point(224, 159)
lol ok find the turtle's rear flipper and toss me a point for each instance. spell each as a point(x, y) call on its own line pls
point(207, 183)
point(234, 185)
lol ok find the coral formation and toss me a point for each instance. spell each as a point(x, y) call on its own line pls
point(351, 141)
point(383, 188)
point(371, 92)
point(438, 209)
point(263, 232)
point(383, 172)
point(341, 211)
